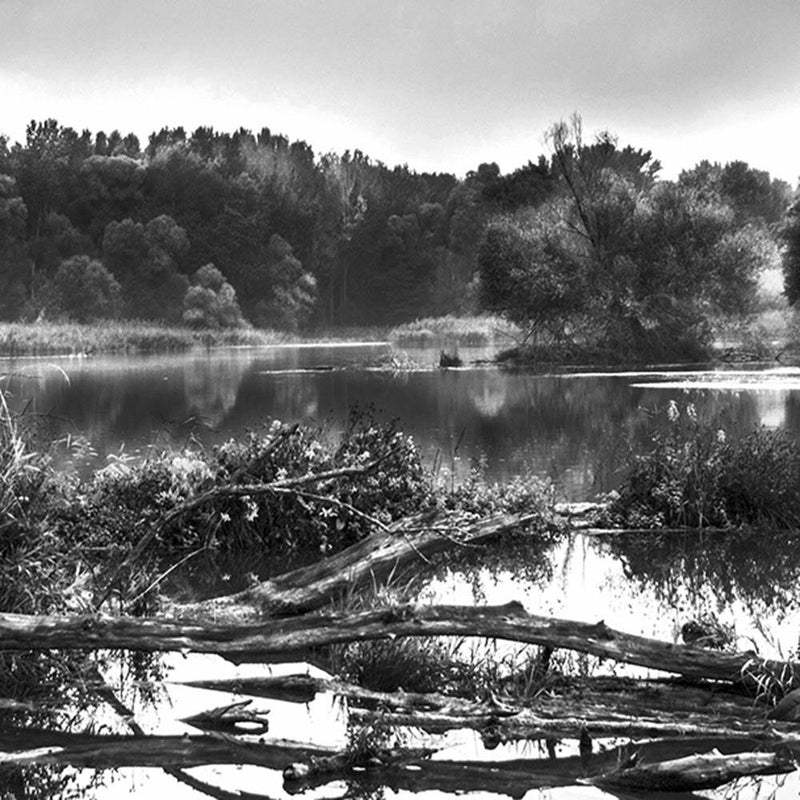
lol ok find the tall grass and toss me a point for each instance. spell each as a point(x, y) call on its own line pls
point(126, 337)
point(450, 330)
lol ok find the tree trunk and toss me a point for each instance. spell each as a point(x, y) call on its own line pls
point(260, 642)
point(391, 551)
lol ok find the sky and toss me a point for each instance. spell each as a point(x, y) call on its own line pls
point(440, 85)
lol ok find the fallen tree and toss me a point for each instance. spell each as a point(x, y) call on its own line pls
point(33, 746)
point(263, 641)
point(390, 550)
point(701, 771)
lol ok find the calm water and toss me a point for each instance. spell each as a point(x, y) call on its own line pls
point(572, 428)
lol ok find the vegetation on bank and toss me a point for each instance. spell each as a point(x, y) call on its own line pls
point(70, 338)
point(260, 494)
point(696, 475)
point(451, 330)
point(584, 249)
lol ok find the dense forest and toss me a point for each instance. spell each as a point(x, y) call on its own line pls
point(214, 229)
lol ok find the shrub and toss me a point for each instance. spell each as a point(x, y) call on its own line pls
point(695, 476)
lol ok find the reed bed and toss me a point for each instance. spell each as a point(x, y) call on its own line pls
point(66, 338)
point(477, 331)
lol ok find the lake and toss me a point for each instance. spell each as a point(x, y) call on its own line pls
point(574, 428)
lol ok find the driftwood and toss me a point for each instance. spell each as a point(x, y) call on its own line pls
point(705, 771)
point(233, 719)
point(386, 551)
point(262, 641)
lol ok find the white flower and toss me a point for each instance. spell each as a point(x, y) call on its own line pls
point(721, 436)
point(672, 411)
point(691, 412)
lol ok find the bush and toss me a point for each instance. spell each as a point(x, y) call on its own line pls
point(211, 302)
point(694, 476)
point(85, 290)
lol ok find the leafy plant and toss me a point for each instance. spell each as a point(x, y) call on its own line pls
point(695, 476)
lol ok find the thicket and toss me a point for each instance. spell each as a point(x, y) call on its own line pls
point(64, 538)
point(695, 475)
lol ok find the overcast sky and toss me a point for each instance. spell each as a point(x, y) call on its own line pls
point(441, 85)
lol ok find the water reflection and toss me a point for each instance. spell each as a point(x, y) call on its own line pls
point(575, 429)
point(758, 569)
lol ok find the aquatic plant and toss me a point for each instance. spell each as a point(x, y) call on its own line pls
point(695, 475)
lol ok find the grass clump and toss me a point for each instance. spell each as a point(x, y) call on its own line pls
point(478, 331)
point(694, 475)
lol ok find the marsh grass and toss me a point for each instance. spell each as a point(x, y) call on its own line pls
point(450, 330)
point(65, 338)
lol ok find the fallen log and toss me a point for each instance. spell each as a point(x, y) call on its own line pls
point(258, 642)
point(304, 688)
point(705, 771)
point(513, 777)
point(624, 695)
point(32, 746)
point(390, 551)
point(598, 723)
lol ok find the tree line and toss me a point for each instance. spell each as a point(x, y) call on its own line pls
point(216, 229)
point(213, 227)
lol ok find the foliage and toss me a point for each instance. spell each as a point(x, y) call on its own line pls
point(211, 301)
point(618, 265)
point(292, 291)
point(695, 476)
point(126, 498)
point(85, 290)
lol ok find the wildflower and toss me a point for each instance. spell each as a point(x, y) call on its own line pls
point(225, 516)
point(721, 436)
point(691, 412)
point(672, 411)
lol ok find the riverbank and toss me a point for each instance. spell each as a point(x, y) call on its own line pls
point(65, 338)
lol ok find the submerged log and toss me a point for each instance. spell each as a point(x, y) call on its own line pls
point(259, 642)
point(705, 771)
point(385, 552)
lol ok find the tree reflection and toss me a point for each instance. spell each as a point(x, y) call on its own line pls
point(756, 567)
